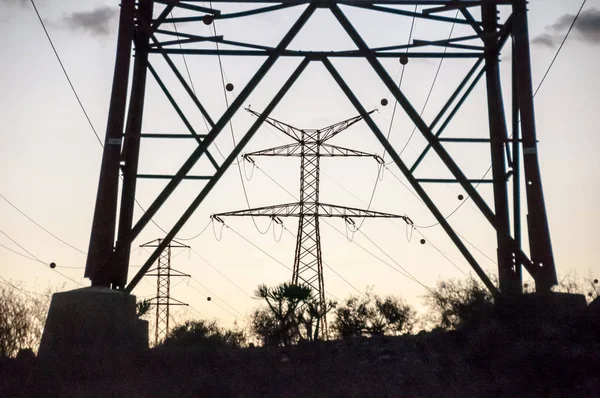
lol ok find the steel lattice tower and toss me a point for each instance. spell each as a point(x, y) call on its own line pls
point(492, 25)
point(163, 300)
point(310, 146)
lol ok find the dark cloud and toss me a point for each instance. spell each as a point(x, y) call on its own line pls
point(544, 39)
point(97, 21)
point(586, 29)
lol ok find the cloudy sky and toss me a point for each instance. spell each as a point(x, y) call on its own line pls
point(50, 158)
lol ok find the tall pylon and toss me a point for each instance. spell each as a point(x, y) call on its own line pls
point(310, 145)
point(163, 300)
point(516, 211)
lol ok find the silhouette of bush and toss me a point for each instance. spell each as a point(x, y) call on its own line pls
point(372, 315)
point(21, 320)
point(195, 334)
point(454, 302)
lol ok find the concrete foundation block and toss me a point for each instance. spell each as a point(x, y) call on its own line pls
point(92, 322)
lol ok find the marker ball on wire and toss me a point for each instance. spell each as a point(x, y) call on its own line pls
point(404, 60)
point(460, 197)
point(208, 298)
point(52, 265)
point(596, 281)
point(384, 101)
point(422, 241)
point(208, 19)
point(229, 87)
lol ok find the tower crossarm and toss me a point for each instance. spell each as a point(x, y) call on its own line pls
point(289, 130)
point(328, 210)
point(311, 209)
point(294, 149)
point(329, 132)
point(327, 150)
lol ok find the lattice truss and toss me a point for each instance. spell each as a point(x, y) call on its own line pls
point(493, 25)
point(163, 301)
point(310, 145)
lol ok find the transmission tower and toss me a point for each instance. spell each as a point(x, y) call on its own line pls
point(310, 146)
point(492, 25)
point(163, 300)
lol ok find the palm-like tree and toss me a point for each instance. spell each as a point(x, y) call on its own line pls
point(283, 302)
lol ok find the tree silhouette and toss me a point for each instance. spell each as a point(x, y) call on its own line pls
point(371, 315)
point(202, 333)
point(279, 324)
point(21, 320)
point(456, 301)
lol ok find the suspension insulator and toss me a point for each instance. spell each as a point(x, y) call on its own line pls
point(404, 60)
point(384, 101)
point(208, 19)
point(229, 87)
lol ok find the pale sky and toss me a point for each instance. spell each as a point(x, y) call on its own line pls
point(50, 158)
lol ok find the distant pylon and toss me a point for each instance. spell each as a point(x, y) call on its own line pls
point(310, 146)
point(163, 300)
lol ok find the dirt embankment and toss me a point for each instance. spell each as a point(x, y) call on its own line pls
point(487, 358)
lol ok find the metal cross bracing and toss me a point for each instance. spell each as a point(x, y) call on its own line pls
point(514, 157)
point(163, 301)
point(310, 147)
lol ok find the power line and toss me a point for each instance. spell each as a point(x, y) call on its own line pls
point(410, 34)
point(411, 276)
point(534, 94)
point(432, 86)
point(65, 73)
point(330, 267)
point(442, 253)
point(24, 291)
point(79, 100)
point(17, 253)
point(408, 276)
point(220, 273)
point(403, 68)
point(38, 225)
point(560, 48)
point(217, 304)
point(378, 258)
point(267, 254)
point(35, 258)
point(215, 296)
point(257, 247)
point(197, 235)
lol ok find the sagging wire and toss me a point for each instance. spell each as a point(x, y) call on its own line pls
point(277, 221)
point(410, 35)
point(350, 227)
point(251, 161)
point(52, 265)
point(380, 166)
point(328, 266)
point(441, 252)
point(409, 227)
point(198, 234)
point(380, 171)
point(220, 220)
